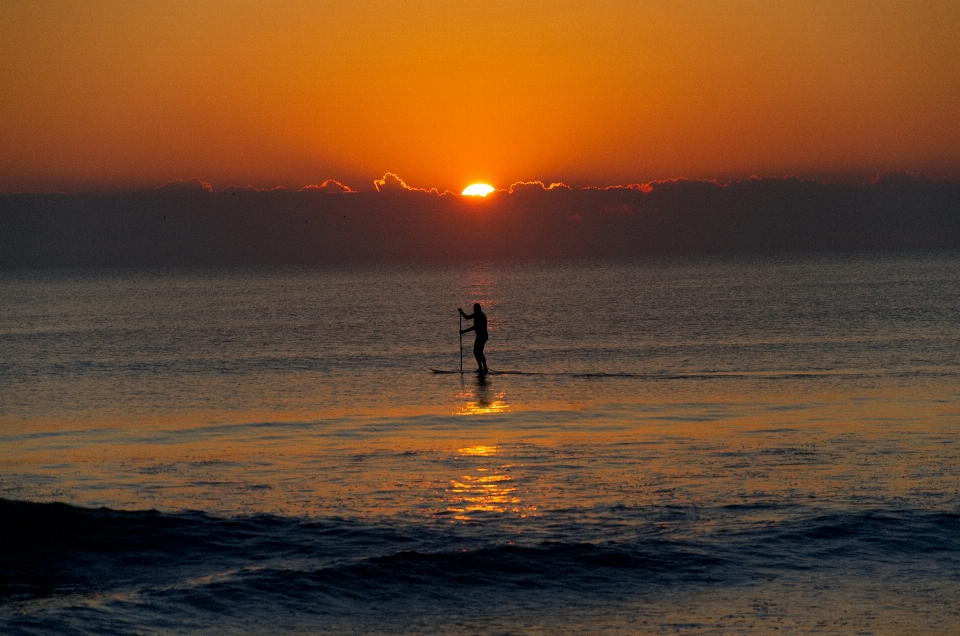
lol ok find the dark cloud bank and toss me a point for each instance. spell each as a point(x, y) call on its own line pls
point(188, 224)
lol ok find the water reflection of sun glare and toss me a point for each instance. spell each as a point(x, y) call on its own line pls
point(479, 450)
point(484, 493)
point(480, 401)
point(491, 490)
point(481, 407)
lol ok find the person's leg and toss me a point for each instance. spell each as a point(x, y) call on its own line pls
point(478, 353)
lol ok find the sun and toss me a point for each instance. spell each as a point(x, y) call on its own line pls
point(478, 190)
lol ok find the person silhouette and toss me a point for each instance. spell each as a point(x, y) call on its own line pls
point(480, 326)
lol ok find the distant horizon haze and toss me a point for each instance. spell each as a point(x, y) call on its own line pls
point(392, 181)
point(193, 224)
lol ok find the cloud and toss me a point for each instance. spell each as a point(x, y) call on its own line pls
point(533, 186)
point(392, 183)
point(687, 183)
point(330, 185)
point(253, 188)
point(186, 186)
point(646, 188)
point(899, 178)
point(187, 223)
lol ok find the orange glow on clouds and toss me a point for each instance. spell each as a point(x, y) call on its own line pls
point(391, 182)
point(126, 95)
point(330, 185)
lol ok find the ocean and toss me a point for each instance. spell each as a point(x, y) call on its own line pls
point(709, 445)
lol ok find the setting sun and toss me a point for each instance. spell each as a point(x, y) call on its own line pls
point(478, 190)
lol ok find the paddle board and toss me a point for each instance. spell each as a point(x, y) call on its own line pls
point(488, 372)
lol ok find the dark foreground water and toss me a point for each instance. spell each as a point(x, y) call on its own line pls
point(711, 446)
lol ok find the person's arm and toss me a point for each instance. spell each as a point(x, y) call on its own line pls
point(460, 309)
point(467, 329)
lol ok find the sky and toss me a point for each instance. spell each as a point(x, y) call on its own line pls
point(104, 96)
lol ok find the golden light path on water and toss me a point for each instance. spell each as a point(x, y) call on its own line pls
point(480, 400)
point(703, 444)
point(490, 490)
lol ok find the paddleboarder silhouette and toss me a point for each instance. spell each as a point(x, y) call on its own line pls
point(480, 326)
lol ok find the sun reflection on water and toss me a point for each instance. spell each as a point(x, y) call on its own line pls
point(471, 494)
point(479, 450)
point(490, 490)
point(481, 400)
point(481, 407)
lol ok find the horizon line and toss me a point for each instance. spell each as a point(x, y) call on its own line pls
point(391, 182)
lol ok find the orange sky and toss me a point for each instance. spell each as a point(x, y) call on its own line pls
point(103, 95)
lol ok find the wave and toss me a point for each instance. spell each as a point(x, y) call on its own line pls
point(54, 549)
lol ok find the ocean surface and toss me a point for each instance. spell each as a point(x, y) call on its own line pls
point(748, 445)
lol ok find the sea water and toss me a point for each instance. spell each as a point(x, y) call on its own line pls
point(702, 445)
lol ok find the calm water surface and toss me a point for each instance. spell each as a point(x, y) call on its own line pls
point(708, 446)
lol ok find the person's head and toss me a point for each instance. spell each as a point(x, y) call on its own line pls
point(476, 307)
